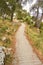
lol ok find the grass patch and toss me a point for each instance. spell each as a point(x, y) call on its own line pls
point(36, 37)
point(7, 31)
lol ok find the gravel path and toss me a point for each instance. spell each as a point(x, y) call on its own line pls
point(24, 54)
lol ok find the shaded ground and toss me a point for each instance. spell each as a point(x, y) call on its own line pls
point(24, 54)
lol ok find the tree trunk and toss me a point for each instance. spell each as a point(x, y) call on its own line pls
point(12, 16)
point(37, 23)
point(41, 17)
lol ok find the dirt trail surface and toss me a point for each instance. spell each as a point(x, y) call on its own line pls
point(24, 54)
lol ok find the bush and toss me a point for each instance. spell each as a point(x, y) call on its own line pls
point(41, 28)
point(3, 29)
point(27, 19)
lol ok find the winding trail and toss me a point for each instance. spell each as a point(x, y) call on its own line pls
point(24, 54)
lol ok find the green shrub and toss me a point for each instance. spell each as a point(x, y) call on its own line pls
point(41, 30)
point(41, 26)
point(3, 29)
point(27, 19)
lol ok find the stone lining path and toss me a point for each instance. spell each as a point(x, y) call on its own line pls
point(24, 54)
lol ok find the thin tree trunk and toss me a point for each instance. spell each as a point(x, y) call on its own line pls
point(12, 16)
point(37, 22)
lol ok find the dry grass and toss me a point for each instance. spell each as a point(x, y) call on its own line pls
point(7, 38)
point(36, 37)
